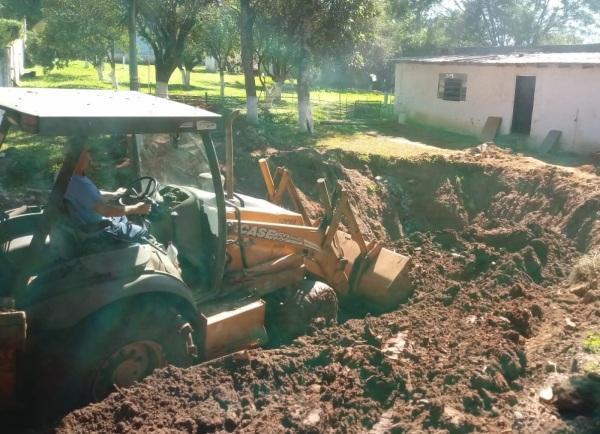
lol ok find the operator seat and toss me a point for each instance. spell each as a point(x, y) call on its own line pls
point(70, 239)
point(62, 243)
point(17, 227)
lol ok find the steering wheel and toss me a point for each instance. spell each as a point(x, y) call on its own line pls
point(138, 191)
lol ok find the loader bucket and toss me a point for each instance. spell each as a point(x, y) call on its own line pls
point(380, 276)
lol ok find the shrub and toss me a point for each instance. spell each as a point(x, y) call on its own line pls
point(587, 268)
point(592, 343)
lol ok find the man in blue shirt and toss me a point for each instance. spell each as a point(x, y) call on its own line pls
point(87, 205)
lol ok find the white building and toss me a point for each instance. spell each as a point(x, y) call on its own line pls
point(12, 63)
point(145, 54)
point(210, 63)
point(533, 93)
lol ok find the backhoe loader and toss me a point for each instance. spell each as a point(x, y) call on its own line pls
point(83, 314)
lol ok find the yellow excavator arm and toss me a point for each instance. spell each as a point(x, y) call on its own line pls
point(345, 261)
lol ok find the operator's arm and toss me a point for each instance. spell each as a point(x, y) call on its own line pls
point(112, 195)
point(107, 210)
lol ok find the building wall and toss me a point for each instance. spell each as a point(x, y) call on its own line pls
point(12, 63)
point(566, 99)
point(5, 80)
point(145, 54)
point(210, 64)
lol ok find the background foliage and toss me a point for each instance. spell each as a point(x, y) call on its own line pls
point(9, 31)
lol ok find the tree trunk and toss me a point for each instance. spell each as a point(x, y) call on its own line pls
point(100, 71)
point(113, 68)
point(247, 54)
point(183, 71)
point(188, 78)
point(305, 119)
point(252, 109)
point(276, 91)
point(162, 89)
point(268, 97)
point(134, 83)
point(222, 81)
point(113, 75)
point(164, 70)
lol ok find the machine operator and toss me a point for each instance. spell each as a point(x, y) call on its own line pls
point(89, 206)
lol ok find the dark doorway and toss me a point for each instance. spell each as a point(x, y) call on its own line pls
point(523, 110)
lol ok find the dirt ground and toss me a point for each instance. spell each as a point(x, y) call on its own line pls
point(494, 319)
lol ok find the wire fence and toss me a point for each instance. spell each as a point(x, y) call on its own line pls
point(334, 106)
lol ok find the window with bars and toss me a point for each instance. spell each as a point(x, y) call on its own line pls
point(452, 87)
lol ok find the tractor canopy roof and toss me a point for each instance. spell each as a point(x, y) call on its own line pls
point(67, 112)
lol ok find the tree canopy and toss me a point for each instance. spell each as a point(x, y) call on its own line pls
point(276, 56)
point(219, 36)
point(193, 54)
point(9, 31)
point(519, 23)
point(19, 9)
point(165, 25)
point(80, 29)
point(319, 29)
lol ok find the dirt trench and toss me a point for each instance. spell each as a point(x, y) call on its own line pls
point(493, 236)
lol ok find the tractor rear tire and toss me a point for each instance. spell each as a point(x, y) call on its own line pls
point(114, 348)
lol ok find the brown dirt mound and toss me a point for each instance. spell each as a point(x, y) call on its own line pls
point(493, 237)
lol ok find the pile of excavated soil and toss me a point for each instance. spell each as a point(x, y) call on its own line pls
point(492, 321)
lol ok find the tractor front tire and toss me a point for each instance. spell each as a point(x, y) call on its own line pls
point(298, 310)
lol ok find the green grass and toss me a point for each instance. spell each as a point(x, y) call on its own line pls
point(78, 75)
point(591, 344)
point(375, 144)
point(30, 159)
point(592, 367)
point(389, 139)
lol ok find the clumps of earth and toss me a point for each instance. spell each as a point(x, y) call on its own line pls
point(491, 340)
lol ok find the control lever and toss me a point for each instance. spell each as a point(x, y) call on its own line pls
point(174, 215)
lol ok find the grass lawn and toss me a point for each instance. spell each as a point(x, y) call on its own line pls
point(373, 143)
point(26, 156)
point(77, 75)
point(389, 139)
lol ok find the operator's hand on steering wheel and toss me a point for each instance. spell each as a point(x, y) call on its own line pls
point(136, 191)
point(141, 208)
point(120, 192)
